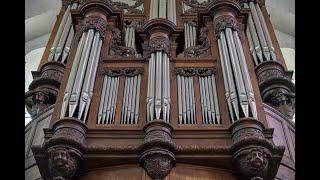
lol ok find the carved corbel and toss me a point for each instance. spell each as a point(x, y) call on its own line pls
point(115, 48)
point(201, 50)
point(157, 149)
point(276, 88)
point(43, 90)
point(252, 152)
point(63, 162)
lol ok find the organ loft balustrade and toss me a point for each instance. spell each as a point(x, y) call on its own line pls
point(161, 89)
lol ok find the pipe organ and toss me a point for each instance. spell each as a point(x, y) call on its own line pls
point(147, 87)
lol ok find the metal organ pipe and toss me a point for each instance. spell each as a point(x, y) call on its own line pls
point(163, 9)
point(79, 89)
point(61, 45)
point(259, 33)
point(235, 74)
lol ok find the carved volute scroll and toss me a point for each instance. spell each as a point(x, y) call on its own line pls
point(201, 50)
point(115, 47)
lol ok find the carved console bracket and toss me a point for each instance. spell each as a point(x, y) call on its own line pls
point(116, 48)
point(276, 87)
point(61, 155)
point(44, 88)
point(201, 50)
point(253, 155)
point(157, 149)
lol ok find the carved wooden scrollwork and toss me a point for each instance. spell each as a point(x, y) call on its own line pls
point(195, 71)
point(223, 22)
point(115, 46)
point(131, 9)
point(124, 72)
point(201, 50)
point(97, 23)
point(196, 5)
point(159, 43)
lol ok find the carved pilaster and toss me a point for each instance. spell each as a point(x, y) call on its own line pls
point(44, 88)
point(157, 148)
point(252, 152)
point(276, 87)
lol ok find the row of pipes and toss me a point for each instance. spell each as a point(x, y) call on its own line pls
point(260, 43)
point(190, 34)
point(239, 91)
point(131, 99)
point(163, 9)
point(186, 102)
point(61, 45)
point(79, 89)
point(209, 100)
point(108, 99)
point(158, 94)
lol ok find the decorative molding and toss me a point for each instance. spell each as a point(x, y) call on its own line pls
point(115, 46)
point(159, 43)
point(223, 22)
point(201, 50)
point(97, 23)
point(195, 71)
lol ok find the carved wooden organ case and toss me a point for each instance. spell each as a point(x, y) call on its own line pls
point(158, 86)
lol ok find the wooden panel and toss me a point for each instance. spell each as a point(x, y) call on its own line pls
point(180, 172)
point(124, 172)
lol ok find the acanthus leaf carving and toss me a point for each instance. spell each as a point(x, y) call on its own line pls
point(159, 43)
point(97, 23)
point(223, 22)
point(114, 72)
point(131, 9)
